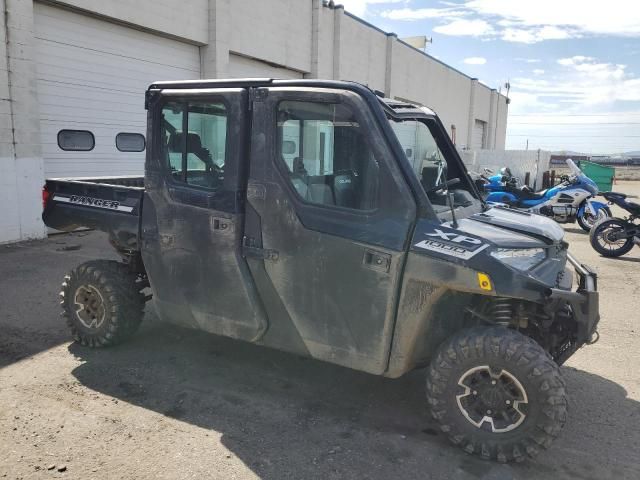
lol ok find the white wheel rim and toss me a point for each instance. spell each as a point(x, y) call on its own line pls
point(89, 303)
point(497, 381)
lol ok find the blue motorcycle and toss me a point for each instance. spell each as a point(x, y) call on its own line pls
point(570, 200)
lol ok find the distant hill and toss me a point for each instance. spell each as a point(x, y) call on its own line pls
point(635, 153)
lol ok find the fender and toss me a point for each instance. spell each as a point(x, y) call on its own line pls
point(501, 197)
point(592, 205)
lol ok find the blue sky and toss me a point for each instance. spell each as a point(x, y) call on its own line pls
point(573, 65)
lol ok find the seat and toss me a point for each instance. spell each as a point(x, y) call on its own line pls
point(528, 195)
point(344, 189)
point(634, 208)
point(320, 193)
point(194, 146)
point(298, 167)
point(429, 177)
point(613, 196)
point(300, 186)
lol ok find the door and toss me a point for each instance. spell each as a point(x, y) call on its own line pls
point(328, 220)
point(91, 76)
point(479, 139)
point(192, 214)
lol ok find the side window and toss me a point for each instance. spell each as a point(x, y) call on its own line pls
point(76, 140)
point(197, 157)
point(130, 142)
point(327, 156)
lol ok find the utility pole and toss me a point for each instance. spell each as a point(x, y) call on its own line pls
point(527, 144)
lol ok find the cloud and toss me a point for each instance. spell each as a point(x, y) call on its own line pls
point(614, 17)
point(535, 35)
point(530, 22)
point(462, 27)
point(583, 84)
point(528, 60)
point(410, 14)
point(359, 7)
point(475, 61)
point(538, 71)
point(595, 69)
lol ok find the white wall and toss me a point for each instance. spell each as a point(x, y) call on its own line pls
point(21, 166)
point(186, 19)
point(420, 78)
point(362, 54)
point(277, 31)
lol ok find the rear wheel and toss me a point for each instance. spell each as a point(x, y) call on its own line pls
point(587, 220)
point(102, 302)
point(608, 238)
point(496, 394)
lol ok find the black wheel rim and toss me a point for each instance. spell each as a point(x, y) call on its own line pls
point(492, 399)
point(607, 237)
point(89, 306)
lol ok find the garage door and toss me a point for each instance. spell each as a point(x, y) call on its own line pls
point(91, 76)
point(241, 67)
point(479, 141)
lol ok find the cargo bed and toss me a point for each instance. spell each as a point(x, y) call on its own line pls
point(109, 204)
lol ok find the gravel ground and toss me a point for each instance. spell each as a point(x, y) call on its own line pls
point(175, 403)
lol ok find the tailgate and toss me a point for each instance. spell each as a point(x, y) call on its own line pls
point(112, 208)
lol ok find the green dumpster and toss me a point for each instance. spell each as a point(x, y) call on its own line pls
point(603, 176)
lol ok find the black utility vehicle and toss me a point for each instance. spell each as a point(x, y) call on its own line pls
point(316, 217)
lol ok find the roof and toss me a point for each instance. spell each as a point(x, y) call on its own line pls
point(398, 107)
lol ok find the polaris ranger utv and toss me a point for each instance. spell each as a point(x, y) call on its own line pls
point(318, 218)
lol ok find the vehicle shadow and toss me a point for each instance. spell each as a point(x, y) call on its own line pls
point(626, 259)
point(289, 417)
point(31, 274)
point(575, 230)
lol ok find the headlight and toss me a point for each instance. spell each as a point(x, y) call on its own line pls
point(520, 258)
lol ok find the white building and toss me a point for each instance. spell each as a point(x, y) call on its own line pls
point(85, 64)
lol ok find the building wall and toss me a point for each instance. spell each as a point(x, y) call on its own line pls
point(21, 166)
point(267, 38)
point(187, 20)
point(420, 78)
point(362, 53)
point(276, 31)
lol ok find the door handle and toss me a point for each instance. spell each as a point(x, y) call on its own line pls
point(377, 260)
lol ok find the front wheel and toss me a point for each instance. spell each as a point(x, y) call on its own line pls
point(608, 238)
point(496, 394)
point(587, 220)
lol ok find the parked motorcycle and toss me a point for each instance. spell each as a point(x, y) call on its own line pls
point(570, 200)
point(614, 237)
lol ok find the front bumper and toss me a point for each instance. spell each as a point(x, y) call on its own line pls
point(584, 305)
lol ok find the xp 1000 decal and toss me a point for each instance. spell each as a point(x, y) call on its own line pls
point(446, 241)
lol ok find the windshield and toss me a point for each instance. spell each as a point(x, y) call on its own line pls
point(429, 164)
point(574, 168)
point(421, 150)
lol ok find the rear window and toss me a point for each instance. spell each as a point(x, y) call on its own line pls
point(76, 140)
